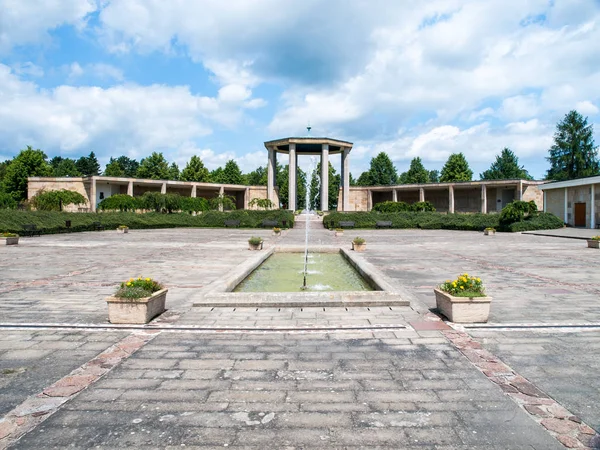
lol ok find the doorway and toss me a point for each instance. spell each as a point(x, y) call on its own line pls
point(580, 215)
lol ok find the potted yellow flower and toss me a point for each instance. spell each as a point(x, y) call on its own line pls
point(489, 231)
point(594, 242)
point(463, 300)
point(137, 300)
point(9, 238)
point(276, 231)
point(123, 229)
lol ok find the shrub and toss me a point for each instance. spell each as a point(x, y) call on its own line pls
point(55, 200)
point(422, 207)
point(542, 221)
point(254, 240)
point(7, 201)
point(517, 211)
point(464, 286)
point(135, 288)
point(358, 240)
point(194, 204)
point(264, 203)
point(119, 202)
point(390, 207)
point(595, 238)
point(8, 235)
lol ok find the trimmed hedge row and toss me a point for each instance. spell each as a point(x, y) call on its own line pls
point(49, 222)
point(437, 221)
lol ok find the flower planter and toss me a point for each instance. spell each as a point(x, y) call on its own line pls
point(10, 240)
point(593, 243)
point(489, 232)
point(359, 247)
point(255, 246)
point(139, 310)
point(276, 234)
point(123, 230)
point(339, 233)
point(463, 309)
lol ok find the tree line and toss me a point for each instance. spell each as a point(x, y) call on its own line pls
point(573, 155)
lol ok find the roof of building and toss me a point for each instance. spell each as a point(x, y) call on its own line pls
point(571, 183)
point(309, 145)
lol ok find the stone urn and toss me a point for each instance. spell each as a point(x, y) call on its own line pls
point(138, 310)
point(463, 309)
point(489, 232)
point(122, 230)
point(254, 244)
point(339, 232)
point(593, 243)
point(10, 240)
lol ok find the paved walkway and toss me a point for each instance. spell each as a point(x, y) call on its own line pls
point(378, 377)
point(568, 232)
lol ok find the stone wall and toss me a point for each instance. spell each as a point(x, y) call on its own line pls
point(555, 202)
point(579, 194)
point(56, 184)
point(534, 193)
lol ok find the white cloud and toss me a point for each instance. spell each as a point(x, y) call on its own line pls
point(28, 69)
point(586, 107)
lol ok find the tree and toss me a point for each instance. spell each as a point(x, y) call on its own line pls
point(216, 175)
point(351, 179)
point(3, 167)
point(257, 177)
point(382, 171)
point(114, 169)
point(174, 172)
point(28, 163)
point(416, 173)
point(56, 200)
point(232, 173)
point(195, 171)
point(88, 165)
point(506, 167)
point(364, 179)
point(283, 181)
point(456, 169)
point(315, 188)
point(154, 167)
point(573, 154)
point(122, 166)
point(434, 176)
point(66, 168)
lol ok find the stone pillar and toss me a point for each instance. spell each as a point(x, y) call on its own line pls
point(421, 194)
point(520, 187)
point(193, 194)
point(345, 180)
point(544, 192)
point(271, 176)
point(325, 177)
point(296, 181)
point(163, 188)
point(369, 200)
point(394, 195)
point(566, 216)
point(246, 198)
point(221, 194)
point(292, 170)
point(130, 188)
point(93, 199)
point(592, 208)
point(483, 199)
point(451, 199)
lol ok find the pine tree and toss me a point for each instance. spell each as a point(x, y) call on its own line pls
point(315, 188)
point(66, 168)
point(174, 172)
point(456, 169)
point(283, 184)
point(114, 169)
point(195, 171)
point(154, 167)
point(416, 173)
point(232, 173)
point(573, 154)
point(506, 167)
point(382, 171)
point(434, 176)
point(88, 165)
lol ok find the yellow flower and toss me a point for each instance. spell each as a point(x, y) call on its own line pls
point(131, 280)
point(454, 283)
point(140, 277)
point(128, 283)
point(147, 279)
point(462, 287)
point(479, 280)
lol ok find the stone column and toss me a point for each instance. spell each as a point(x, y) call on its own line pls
point(345, 180)
point(369, 200)
point(520, 189)
point(246, 198)
point(483, 199)
point(544, 192)
point(292, 178)
point(421, 194)
point(163, 188)
point(566, 216)
point(271, 176)
point(193, 194)
point(451, 199)
point(394, 195)
point(93, 199)
point(592, 208)
point(325, 177)
point(130, 188)
point(221, 194)
point(296, 181)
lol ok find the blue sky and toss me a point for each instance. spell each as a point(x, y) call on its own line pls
point(217, 79)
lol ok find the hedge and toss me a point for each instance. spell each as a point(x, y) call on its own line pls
point(49, 222)
point(437, 221)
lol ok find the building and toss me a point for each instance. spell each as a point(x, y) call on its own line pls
point(577, 201)
point(97, 188)
point(464, 197)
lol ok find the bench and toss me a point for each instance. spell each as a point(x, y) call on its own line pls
point(383, 224)
point(66, 228)
point(97, 226)
point(232, 223)
point(269, 223)
point(30, 229)
point(346, 224)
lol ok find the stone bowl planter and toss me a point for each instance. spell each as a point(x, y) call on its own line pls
point(489, 232)
point(593, 243)
point(9, 240)
point(339, 233)
point(139, 310)
point(359, 247)
point(122, 230)
point(255, 246)
point(463, 309)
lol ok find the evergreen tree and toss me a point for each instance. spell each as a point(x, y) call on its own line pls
point(232, 173)
point(174, 172)
point(3, 167)
point(28, 163)
point(351, 179)
point(456, 169)
point(573, 154)
point(114, 169)
point(315, 188)
point(216, 176)
point(434, 176)
point(122, 167)
point(154, 167)
point(88, 165)
point(364, 179)
point(382, 171)
point(257, 177)
point(416, 173)
point(66, 168)
point(506, 167)
point(283, 184)
point(195, 171)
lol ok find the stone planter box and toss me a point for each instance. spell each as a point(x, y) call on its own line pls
point(592, 243)
point(138, 311)
point(123, 230)
point(359, 247)
point(463, 309)
point(9, 240)
point(339, 233)
point(489, 232)
point(276, 234)
point(255, 246)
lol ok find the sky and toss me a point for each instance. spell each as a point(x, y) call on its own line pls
point(218, 78)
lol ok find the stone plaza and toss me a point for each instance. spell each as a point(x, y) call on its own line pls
point(315, 377)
